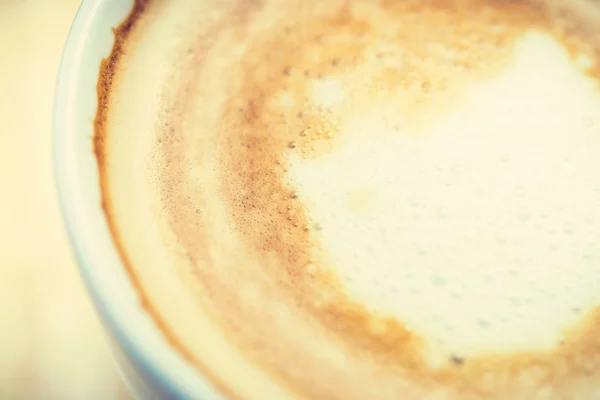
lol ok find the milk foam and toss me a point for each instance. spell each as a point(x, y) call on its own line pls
point(483, 231)
point(359, 199)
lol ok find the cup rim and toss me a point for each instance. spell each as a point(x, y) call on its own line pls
point(138, 341)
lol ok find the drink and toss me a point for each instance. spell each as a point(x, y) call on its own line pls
point(362, 199)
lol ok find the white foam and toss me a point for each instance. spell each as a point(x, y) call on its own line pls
point(483, 233)
point(327, 92)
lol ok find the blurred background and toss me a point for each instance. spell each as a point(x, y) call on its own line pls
point(51, 344)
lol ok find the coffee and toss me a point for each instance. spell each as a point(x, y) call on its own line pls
point(362, 199)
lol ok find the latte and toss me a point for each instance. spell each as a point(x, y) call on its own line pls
point(362, 199)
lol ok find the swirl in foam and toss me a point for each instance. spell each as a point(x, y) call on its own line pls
point(362, 199)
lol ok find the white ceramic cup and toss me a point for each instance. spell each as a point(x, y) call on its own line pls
point(150, 366)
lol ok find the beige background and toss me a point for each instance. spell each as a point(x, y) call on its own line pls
point(51, 345)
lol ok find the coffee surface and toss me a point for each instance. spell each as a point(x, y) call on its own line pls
point(362, 199)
